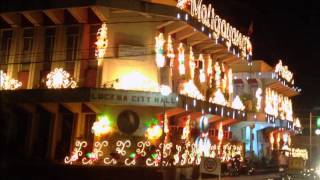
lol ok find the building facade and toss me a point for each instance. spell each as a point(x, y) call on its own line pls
point(131, 83)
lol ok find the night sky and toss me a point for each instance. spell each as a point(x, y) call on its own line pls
point(287, 30)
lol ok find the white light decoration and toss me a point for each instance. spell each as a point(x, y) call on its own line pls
point(102, 126)
point(217, 75)
point(136, 81)
point(183, 4)
point(218, 98)
point(101, 43)
point(182, 69)
point(283, 72)
point(271, 141)
point(190, 89)
point(192, 63)
point(121, 145)
point(7, 83)
point(202, 74)
point(237, 104)
point(142, 145)
point(259, 99)
point(170, 51)
point(206, 15)
point(220, 132)
point(76, 153)
point(165, 90)
point(97, 152)
point(59, 78)
point(160, 59)
point(296, 123)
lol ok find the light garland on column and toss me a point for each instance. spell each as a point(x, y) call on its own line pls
point(278, 105)
point(59, 78)
point(7, 83)
point(182, 69)
point(259, 98)
point(191, 63)
point(101, 43)
point(230, 82)
point(210, 71)
point(217, 75)
point(160, 59)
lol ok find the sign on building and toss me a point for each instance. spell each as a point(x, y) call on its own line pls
point(210, 166)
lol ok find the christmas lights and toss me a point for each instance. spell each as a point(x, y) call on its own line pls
point(183, 4)
point(218, 98)
point(190, 89)
point(170, 51)
point(284, 72)
point(102, 126)
point(7, 83)
point(192, 63)
point(217, 78)
point(76, 153)
point(259, 98)
point(202, 74)
point(182, 69)
point(59, 78)
point(101, 43)
point(237, 104)
point(160, 59)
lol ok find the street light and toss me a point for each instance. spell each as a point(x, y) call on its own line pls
point(165, 91)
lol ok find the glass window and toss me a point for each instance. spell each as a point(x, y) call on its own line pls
point(27, 48)
point(48, 47)
point(6, 37)
point(72, 45)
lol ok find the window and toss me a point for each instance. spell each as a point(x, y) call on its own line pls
point(72, 46)
point(48, 47)
point(6, 38)
point(27, 49)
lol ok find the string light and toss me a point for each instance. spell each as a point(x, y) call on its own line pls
point(278, 105)
point(160, 59)
point(182, 69)
point(230, 81)
point(217, 70)
point(259, 98)
point(101, 43)
point(202, 70)
point(154, 132)
point(59, 78)
point(284, 72)
point(7, 83)
point(218, 98)
point(170, 51)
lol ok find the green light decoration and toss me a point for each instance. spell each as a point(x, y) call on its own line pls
point(89, 155)
point(151, 123)
point(132, 155)
point(318, 122)
point(154, 155)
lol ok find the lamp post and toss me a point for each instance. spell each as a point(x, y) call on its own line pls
point(165, 91)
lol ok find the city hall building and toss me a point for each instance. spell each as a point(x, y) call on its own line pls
point(143, 84)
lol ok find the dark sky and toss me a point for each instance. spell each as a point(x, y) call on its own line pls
point(287, 30)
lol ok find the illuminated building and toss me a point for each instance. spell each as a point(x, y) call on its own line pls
point(91, 74)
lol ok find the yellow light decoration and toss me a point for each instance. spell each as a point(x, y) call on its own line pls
point(259, 98)
point(237, 104)
point(278, 140)
point(218, 98)
point(160, 59)
point(154, 132)
point(101, 43)
point(192, 63)
point(59, 78)
point(136, 81)
point(189, 89)
point(182, 4)
point(202, 70)
point(230, 81)
point(272, 141)
point(186, 129)
point(122, 145)
point(217, 70)
point(229, 151)
point(297, 152)
point(278, 105)
point(182, 69)
point(284, 72)
point(7, 83)
point(97, 152)
point(102, 126)
point(170, 51)
point(210, 71)
point(142, 145)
